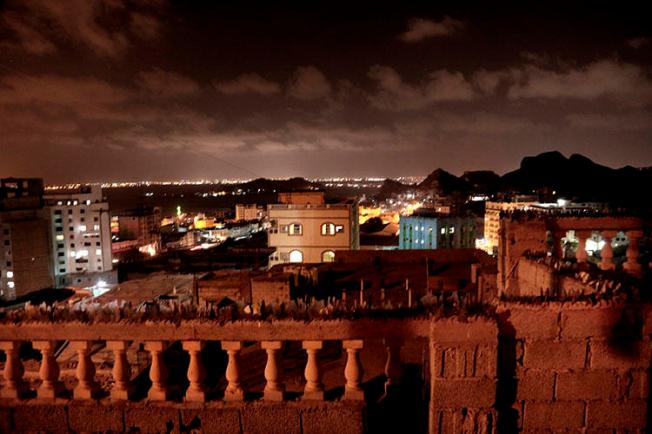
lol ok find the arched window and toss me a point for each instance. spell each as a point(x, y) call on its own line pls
point(295, 229)
point(296, 256)
point(328, 256)
point(328, 229)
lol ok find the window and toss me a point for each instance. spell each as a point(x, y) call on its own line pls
point(62, 270)
point(82, 228)
point(328, 229)
point(296, 256)
point(82, 211)
point(339, 229)
point(96, 227)
point(98, 252)
point(69, 211)
point(451, 230)
point(57, 212)
point(328, 256)
point(7, 242)
point(11, 284)
point(10, 274)
point(295, 229)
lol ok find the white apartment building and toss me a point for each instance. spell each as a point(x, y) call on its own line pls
point(246, 212)
point(311, 231)
point(492, 221)
point(81, 236)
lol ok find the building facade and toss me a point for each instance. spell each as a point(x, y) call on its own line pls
point(142, 225)
point(311, 231)
point(25, 260)
point(246, 212)
point(492, 221)
point(80, 234)
point(440, 232)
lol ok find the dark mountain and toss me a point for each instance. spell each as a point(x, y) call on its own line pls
point(579, 178)
point(292, 184)
point(390, 188)
point(482, 181)
point(444, 183)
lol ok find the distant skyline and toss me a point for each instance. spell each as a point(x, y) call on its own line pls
point(101, 91)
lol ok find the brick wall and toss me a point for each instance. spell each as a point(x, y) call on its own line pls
point(573, 367)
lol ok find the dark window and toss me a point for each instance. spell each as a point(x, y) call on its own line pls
point(97, 243)
point(69, 211)
point(82, 219)
point(82, 211)
point(60, 246)
point(87, 244)
point(60, 254)
point(57, 212)
point(71, 228)
point(6, 231)
point(58, 221)
point(62, 270)
point(6, 242)
point(95, 219)
point(8, 263)
point(72, 245)
point(59, 228)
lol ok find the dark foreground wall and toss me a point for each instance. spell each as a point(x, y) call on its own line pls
point(167, 417)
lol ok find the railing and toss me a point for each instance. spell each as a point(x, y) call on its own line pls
point(193, 335)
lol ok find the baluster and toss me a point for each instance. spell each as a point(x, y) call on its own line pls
point(353, 372)
point(314, 389)
point(49, 372)
point(87, 387)
point(158, 373)
point(274, 388)
point(15, 386)
point(607, 252)
point(196, 374)
point(121, 390)
point(631, 265)
point(393, 365)
point(233, 390)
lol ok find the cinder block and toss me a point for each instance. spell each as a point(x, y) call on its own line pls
point(587, 385)
point(212, 419)
point(272, 418)
point(333, 418)
point(95, 417)
point(34, 417)
point(149, 418)
point(553, 415)
point(637, 384)
point(556, 355)
point(605, 355)
point(465, 361)
point(535, 385)
point(532, 324)
point(470, 392)
point(584, 323)
point(617, 415)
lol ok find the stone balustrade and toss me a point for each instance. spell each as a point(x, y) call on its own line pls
point(193, 335)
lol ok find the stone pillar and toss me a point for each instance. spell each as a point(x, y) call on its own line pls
point(49, 372)
point(87, 387)
point(121, 390)
point(393, 365)
point(580, 253)
point(631, 265)
point(14, 386)
point(314, 389)
point(158, 373)
point(234, 391)
point(196, 374)
point(353, 372)
point(274, 388)
point(557, 246)
point(607, 253)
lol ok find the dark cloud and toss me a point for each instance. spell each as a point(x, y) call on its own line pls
point(420, 28)
point(247, 83)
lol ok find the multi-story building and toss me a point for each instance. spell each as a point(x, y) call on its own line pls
point(80, 236)
point(246, 212)
point(423, 230)
point(492, 221)
point(305, 229)
point(140, 225)
point(25, 263)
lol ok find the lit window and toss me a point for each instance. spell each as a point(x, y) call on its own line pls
point(296, 256)
point(82, 253)
point(98, 252)
point(10, 274)
point(295, 229)
point(96, 227)
point(328, 229)
point(339, 229)
point(443, 230)
point(82, 228)
point(451, 230)
point(59, 237)
point(11, 285)
point(328, 256)
point(72, 253)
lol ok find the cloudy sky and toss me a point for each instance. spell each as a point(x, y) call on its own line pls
point(119, 90)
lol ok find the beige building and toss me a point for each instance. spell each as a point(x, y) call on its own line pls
point(492, 221)
point(309, 230)
point(246, 212)
point(80, 235)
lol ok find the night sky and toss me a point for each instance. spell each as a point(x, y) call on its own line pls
point(117, 90)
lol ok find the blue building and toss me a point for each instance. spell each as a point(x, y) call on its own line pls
point(436, 232)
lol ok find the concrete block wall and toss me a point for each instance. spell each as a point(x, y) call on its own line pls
point(463, 377)
point(576, 367)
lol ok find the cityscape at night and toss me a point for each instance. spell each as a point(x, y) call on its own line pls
point(219, 217)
